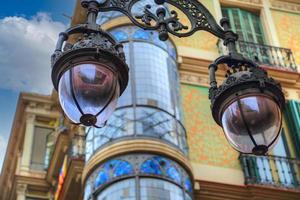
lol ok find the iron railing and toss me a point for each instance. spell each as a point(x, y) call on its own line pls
point(271, 171)
point(266, 55)
point(138, 122)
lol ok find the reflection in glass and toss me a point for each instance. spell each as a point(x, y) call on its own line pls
point(146, 121)
point(89, 89)
point(259, 116)
point(150, 189)
point(150, 106)
point(124, 190)
point(160, 190)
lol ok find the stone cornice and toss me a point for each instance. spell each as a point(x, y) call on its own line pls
point(247, 4)
point(290, 6)
point(217, 191)
point(284, 5)
point(33, 182)
point(254, 2)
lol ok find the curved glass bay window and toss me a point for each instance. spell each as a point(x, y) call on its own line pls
point(144, 175)
point(150, 106)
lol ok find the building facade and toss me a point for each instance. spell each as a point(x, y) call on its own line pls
point(161, 142)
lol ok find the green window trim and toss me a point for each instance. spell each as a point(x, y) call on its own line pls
point(285, 143)
point(246, 24)
point(292, 115)
point(249, 28)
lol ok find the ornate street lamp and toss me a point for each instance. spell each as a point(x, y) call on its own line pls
point(91, 74)
point(248, 104)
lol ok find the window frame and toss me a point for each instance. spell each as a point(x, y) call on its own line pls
point(252, 17)
point(44, 126)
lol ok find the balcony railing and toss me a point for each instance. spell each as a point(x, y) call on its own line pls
point(266, 55)
point(148, 122)
point(273, 171)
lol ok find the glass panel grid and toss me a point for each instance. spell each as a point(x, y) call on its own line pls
point(124, 190)
point(149, 107)
point(139, 166)
point(155, 189)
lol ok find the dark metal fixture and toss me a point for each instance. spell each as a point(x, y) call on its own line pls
point(248, 104)
point(91, 74)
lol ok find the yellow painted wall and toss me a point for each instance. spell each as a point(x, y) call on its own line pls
point(206, 139)
point(200, 40)
point(288, 30)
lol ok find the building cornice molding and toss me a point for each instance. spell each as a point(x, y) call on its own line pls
point(289, 6)
point(255, 2)
point(247, 4)
point(194, 79)
point(34, 183)
point(21, 189)
point(216, 191)
point(37, 98)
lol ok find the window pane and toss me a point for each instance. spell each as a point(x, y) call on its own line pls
point(39, 147)
point(159, 190)
point(152, 76)
point(150, 106)
point(124, 190)
point(246, 24)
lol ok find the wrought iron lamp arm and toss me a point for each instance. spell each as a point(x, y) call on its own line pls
point(199, 16)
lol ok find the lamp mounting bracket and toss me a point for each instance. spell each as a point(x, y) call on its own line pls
point(199, 17)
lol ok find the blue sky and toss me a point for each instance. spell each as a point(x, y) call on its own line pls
point(28, 31)
point(28, 8)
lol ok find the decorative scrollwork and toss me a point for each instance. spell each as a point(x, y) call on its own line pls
point(174, 24)
point(93, 40)
point(119, 3)
point(147, 16)
point(258, 75)
point(200, 18)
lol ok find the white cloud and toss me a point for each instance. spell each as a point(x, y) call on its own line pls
point(3, 144)
point(26, 46)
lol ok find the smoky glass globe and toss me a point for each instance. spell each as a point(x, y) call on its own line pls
point(88, 93)
point(252, 123)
